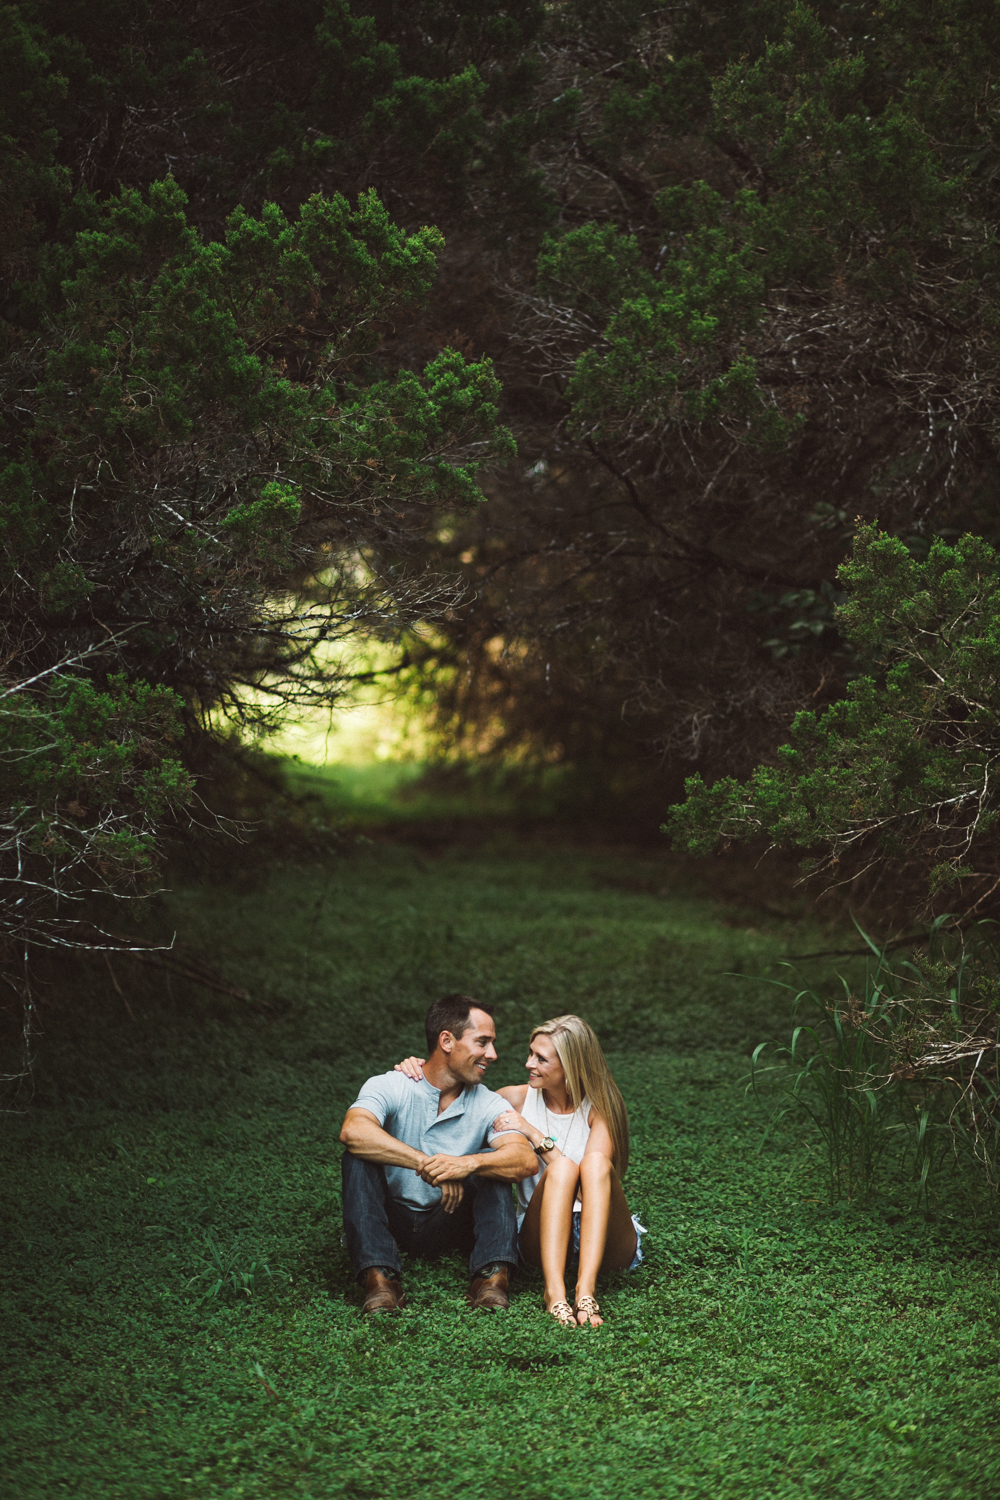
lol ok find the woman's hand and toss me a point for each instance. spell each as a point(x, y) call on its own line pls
point(511, 1120)
point(413, 1068)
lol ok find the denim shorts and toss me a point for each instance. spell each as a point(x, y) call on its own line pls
point(573, 1258)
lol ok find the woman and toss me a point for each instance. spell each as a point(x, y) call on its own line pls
point(573, 1115)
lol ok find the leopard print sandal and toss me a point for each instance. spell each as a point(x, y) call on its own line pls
point(590, 1309)
point(563, 1314)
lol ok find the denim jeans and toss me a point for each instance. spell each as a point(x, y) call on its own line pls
point(377, 1226)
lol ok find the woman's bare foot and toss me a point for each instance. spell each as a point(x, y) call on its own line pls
point(587, 1311)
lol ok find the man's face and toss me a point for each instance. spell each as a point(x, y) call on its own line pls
point(470, 1054)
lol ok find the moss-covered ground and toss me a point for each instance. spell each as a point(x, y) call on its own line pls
point(772, 1344)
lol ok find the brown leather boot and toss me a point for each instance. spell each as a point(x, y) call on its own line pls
point(488, 1290)
point(382, 1293)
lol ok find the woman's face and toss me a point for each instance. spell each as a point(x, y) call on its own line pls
point(545, 1071)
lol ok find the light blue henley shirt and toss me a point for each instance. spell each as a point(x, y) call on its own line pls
point(409, 1112)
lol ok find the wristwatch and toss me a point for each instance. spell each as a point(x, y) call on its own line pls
point(546, 1144)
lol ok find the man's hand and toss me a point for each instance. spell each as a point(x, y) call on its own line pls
point(439, 1169)
point(452, 1194)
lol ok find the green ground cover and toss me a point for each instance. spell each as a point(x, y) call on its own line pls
point(770, 1345)
point(398, 792)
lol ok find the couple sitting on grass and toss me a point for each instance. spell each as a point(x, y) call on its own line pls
point(431, 1155)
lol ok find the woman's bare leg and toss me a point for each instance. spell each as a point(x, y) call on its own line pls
point(544, 1238)
point(607, 1234)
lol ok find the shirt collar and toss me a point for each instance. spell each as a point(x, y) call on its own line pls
point(457, 1106)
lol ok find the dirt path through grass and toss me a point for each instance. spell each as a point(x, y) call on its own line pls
point(770, 1346)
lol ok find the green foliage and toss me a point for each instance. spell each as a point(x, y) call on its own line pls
point(903, 766)
point(591, 269)
point(769, 301)
point(908, 1063)
point(679, 98)
point(208, 476)
point(222, 1271)
point(839, 170)
point(769, 288)
point(848, 191)
point(768, 1345)
point(664, 351)
point(261, 523)
point(832, 1077)
point(801, 616)
point(87, 778)
point(434, 93)
point(280, 103)
point(32, 104)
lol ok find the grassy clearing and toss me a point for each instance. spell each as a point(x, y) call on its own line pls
point(402, 792)
point(770, 1345)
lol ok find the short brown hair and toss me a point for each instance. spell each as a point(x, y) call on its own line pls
point(450, 1014)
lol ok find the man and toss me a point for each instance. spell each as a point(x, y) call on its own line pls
point(424, 1169)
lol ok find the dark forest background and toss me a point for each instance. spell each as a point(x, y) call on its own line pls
point(627, 376)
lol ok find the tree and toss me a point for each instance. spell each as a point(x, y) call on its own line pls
point(207, 482)
point(430, 102)
point(737, 267)
point(899, 780)
point(768, 307)
point(904, 769)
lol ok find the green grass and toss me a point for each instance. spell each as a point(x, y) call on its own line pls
point(396, 791)
point(769, 1346)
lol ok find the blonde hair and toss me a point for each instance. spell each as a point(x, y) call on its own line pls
point(588, 1076)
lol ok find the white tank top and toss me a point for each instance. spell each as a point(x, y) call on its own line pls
point(570, 1132)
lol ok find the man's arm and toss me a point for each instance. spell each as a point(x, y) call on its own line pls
point(511, 1160)
point(363, 1136)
